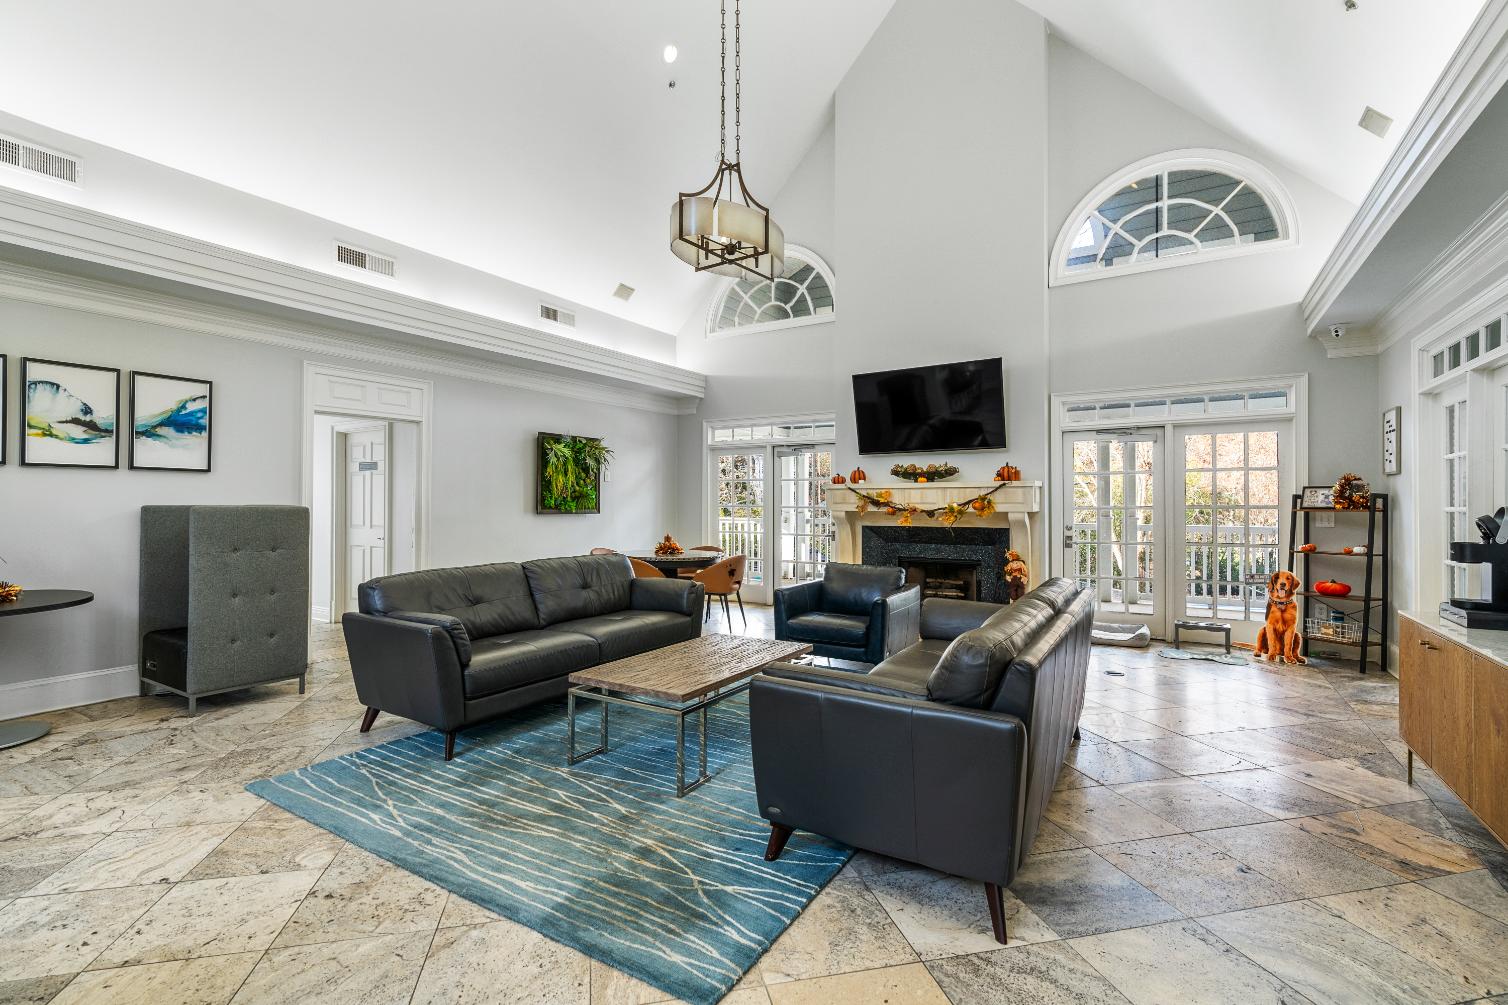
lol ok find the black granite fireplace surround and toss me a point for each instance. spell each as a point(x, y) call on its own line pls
point(889, 545)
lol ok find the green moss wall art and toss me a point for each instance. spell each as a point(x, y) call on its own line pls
point(570, 473)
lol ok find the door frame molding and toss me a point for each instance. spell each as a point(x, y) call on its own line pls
point(361, 394)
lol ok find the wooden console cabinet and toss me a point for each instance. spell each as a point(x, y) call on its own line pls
point(1453, 710)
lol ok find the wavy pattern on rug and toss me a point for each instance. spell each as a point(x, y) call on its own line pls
point(600, 856)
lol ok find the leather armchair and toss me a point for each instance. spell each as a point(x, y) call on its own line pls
point(944, 755)
point(863, 613)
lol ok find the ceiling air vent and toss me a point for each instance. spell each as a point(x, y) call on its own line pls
point(1375, 122)
point(557, 315)
point(624, 291)
point(359, 258)
point(38, 160)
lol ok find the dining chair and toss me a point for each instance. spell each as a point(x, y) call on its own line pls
point(722, 580)
point(643, 570)
point(604, 551)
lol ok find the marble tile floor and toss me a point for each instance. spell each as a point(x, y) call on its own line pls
point(1222, 834)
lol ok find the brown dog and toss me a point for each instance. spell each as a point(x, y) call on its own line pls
point(1279, 638)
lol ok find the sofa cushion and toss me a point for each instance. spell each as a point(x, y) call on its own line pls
point(1056, 593)
point(910, 668)
point(504, 662)
point(973, 665)
point(853, 589)
point(486, 599)
point(580, 587)
point(628, 633)
point(831, 629)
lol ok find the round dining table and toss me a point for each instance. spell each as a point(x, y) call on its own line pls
point(671, 565)
point(14, 732)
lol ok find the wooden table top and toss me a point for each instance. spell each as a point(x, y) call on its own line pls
point(690, 669)
point(686, 558)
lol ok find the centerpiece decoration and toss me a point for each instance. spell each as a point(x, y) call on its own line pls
point(947, 514)
point(9, 592)
point(1351, 492)
point(668, 548)
point(930, 473)
point(570, 473)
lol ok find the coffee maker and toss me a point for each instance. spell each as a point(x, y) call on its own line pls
point(1492, 551)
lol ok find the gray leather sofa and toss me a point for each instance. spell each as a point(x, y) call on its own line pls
point(946, 753)
point(455, 647)
point(863, 613)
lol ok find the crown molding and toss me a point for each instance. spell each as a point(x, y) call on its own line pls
point(39, 286)
point(1474, 75)
point(58, 228)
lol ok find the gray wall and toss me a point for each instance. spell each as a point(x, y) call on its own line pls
point(78, 527)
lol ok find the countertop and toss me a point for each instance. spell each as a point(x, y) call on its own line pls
point(1485, 642)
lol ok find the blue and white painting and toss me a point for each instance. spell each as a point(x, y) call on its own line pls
point(170, 422)
point(68, 414)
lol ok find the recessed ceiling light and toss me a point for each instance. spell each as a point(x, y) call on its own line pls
point(671, 52)
point(1375, 122)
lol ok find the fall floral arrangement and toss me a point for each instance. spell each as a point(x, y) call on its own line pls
point(930, 473)
point(9, 592)
point(668, 548)
point(1351, 492)
point(947, 514)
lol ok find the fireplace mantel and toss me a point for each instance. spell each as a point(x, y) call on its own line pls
point(1016, 506)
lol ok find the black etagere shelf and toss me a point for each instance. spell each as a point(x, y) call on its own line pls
point(1366, 611)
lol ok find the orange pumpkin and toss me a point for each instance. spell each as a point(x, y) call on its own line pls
point(921, 478)
point(839, 480)
point(1307, 547)
point(1330, 588)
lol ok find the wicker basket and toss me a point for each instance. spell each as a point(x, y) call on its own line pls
point(1325, 630)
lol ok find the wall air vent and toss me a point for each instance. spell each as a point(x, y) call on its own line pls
point(360, 258)
point(624, 291)
point(26, 156)
point(557, 315)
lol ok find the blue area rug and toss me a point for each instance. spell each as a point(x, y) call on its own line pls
point(601, 856)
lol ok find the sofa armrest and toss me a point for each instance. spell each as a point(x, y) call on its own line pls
point(453, 627)
point(677, 596)
point(406, 668)
point(841, 678)
point(894, 623)
point(794, 601)
point(934, 784)
point(948, 619)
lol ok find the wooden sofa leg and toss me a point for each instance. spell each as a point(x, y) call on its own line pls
point(367, 719)
point(450, 745)
point(996, 898)
point(779, 835)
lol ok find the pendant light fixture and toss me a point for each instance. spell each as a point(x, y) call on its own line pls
point(722, 228)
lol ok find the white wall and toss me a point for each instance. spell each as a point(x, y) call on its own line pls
point(78, 528)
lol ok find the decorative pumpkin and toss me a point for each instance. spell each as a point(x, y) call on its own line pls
point(920, 479)
point(1307, 547)
point(839, 480)
point(1330, 588)
point(857, 476)
point(1359, 549)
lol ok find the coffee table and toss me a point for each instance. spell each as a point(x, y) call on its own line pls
point(678, 680)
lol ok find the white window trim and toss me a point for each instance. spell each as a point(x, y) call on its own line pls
point(792, 251)
point(1242, 168)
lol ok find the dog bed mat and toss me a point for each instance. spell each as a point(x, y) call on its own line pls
point(1213, 657)
point(1129, 636)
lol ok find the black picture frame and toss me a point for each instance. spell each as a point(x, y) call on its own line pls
point(209, 433)
point(25, 447)
point(1309, 497)
point(539, 477)
point(4, 403)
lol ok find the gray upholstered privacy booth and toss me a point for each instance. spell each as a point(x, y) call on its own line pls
point(224, 599)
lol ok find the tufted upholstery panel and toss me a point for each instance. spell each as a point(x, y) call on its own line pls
point(583, 586)
point(486, 599)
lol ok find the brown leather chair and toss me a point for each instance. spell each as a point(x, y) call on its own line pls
point(604, 551)
point(643, 570)
point(725, 579)
point(691, 573)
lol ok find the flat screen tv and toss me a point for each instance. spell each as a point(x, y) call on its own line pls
point(954, 406)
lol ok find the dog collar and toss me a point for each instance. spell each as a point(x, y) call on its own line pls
point(1281, 603)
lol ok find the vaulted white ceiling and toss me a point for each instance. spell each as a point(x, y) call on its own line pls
point(1290, 77)
point(537, 141)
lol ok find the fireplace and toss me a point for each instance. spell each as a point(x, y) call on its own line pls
point(951, 579)
point(965, 563)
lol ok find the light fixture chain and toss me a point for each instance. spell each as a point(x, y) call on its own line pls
point(722, 101)
point(738, 81)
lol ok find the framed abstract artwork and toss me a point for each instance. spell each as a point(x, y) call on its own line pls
point(170, 422)
point(1392, 459)
point(69, 414)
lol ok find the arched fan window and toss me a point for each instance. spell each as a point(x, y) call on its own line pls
point(802, 295)
point(1174, 209)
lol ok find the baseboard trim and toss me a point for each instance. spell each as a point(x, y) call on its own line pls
point(48, 694)
point(320, 614)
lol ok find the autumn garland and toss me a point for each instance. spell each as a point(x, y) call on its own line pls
point(947, 514)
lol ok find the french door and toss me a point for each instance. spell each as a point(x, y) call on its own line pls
point(1177, 521)
point(1113, 524)
point(768, 504)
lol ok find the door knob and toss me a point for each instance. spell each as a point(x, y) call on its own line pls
point(1426, 645)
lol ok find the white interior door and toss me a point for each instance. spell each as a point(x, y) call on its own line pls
point(1233, 480)
point(1113, 522)
point(807, 532)
point(366, 506)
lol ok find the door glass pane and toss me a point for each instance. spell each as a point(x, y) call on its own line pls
point(807, 530)
point(740, 509)
point(1111, 539)
point(1230, 506)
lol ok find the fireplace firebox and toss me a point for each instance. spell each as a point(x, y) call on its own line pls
point(941, 577)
